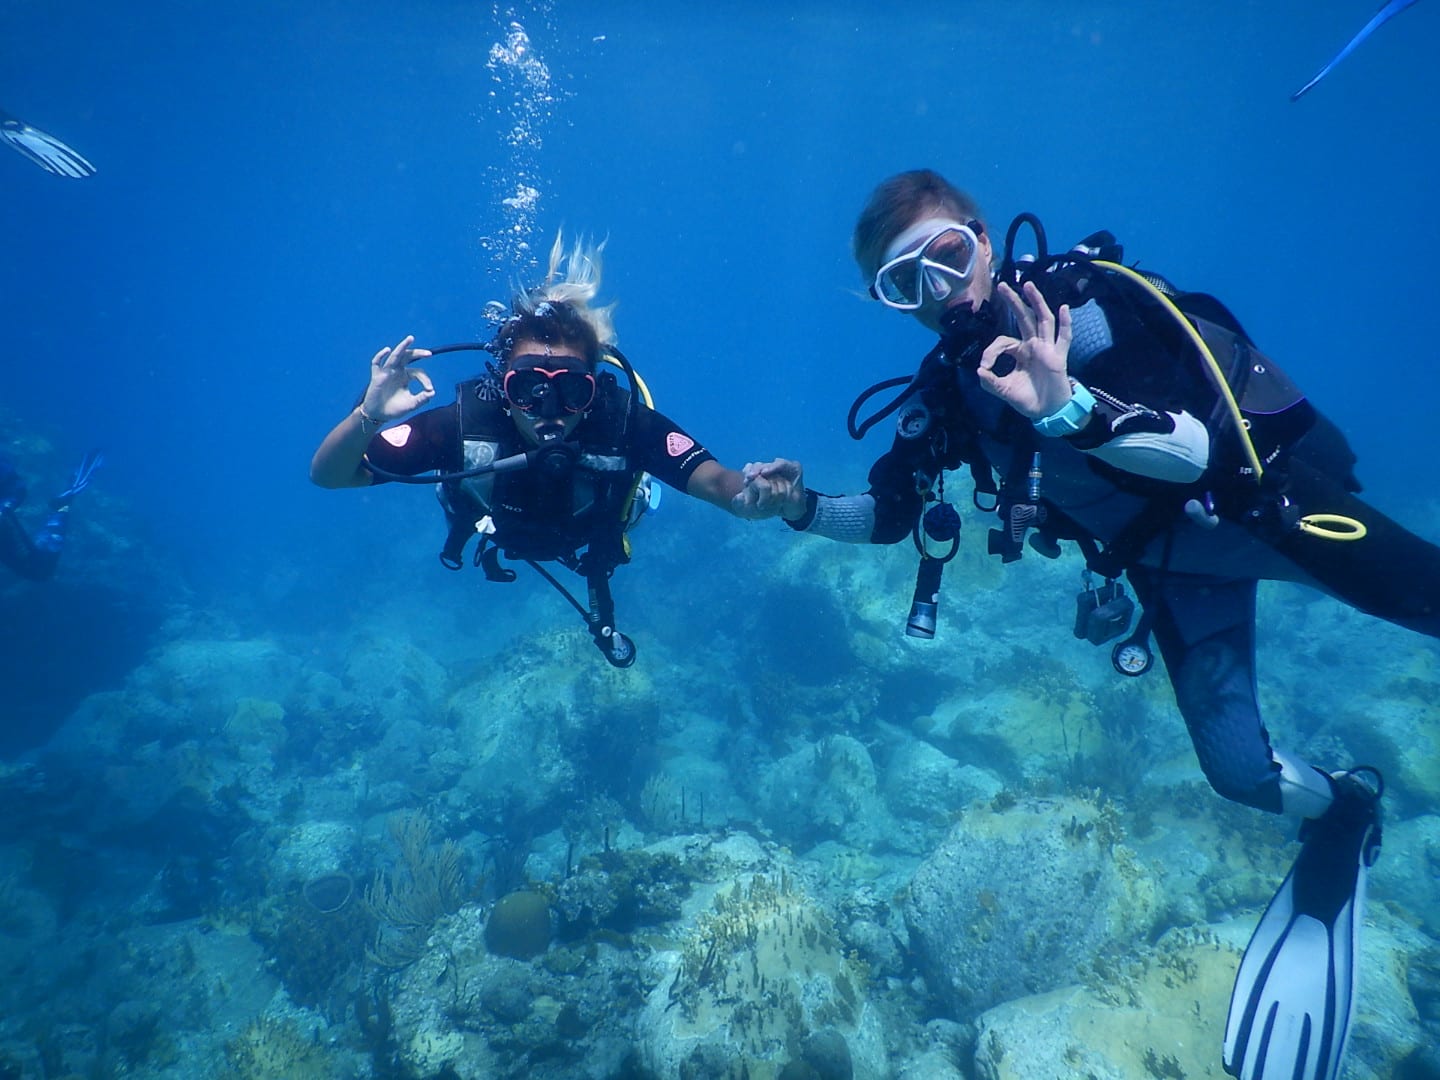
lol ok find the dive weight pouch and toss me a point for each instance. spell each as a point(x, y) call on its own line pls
point(1103, 614)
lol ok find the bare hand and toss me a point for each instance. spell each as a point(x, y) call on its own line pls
point(771, 488)
point(1039, 384)
point(389, 396)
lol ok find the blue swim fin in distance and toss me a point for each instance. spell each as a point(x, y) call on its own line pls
point(92, 460)
point(1384, 15)
point(1295, 991)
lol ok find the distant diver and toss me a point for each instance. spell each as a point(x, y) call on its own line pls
point(43, 149)
point(1384, 15)
point(34, 557)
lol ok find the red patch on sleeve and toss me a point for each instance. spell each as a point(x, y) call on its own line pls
point(677, 444)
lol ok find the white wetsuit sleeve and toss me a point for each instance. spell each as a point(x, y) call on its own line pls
point(1178, 456)
point(847, 518)
point(1134, 438)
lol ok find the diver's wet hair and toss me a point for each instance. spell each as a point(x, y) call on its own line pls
point(558, 311)
point(898, 203)
point(557, 322)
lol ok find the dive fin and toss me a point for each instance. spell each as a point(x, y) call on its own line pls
point(44, 150)
point(92, 460)
point(1384, 15)
point(1295, 992)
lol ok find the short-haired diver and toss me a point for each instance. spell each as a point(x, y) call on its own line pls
point(1100, 406)
point(43, 149)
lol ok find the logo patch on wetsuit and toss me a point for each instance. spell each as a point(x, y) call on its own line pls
point(677, 444)
point(397, 436)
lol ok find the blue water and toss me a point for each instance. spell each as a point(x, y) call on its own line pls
point(280, 193)
point(283, 188)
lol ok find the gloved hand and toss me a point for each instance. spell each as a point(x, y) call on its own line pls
point(92, 460)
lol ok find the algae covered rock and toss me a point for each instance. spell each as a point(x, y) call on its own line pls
point(529, 726)
point(1019, 901)
point(1407, 871)
point(311, 849)
point(821, 791)
point(926, 784)
point(1162, 1013)
point(762, 988)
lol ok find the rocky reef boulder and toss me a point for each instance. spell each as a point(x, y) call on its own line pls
point(526, 727)
point(1162, 1012)
point(761, 986)
point(1020, 899)
point(824, 791)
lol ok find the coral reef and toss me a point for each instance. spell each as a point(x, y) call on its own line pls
point(1160, 1012)
point(426, 885)
point(1017, 902)
point(887, 862)
point(519, 925)
point(760, 972)
point(269, 1049)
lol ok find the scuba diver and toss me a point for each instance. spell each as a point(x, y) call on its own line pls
point(1101, 406)
point(43, 149)
point(35, 557)
point(544, 453)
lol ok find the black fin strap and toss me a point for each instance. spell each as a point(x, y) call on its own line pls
point(452, 555)
point(488, 558)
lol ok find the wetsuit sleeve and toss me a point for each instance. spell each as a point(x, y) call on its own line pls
point(885, 514)
point(664, 449)
point(1134, 357)
point(427, 442)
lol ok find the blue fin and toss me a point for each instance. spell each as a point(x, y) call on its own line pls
point(1384, 15)
point(92, 460)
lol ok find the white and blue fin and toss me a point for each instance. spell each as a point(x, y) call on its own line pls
point(1294, 995)
point(44, 150)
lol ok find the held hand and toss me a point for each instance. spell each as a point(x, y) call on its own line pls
point(1039, 383)
point(389, 396)
point(771, 488)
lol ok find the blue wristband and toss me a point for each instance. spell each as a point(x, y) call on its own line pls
point(1071, 417)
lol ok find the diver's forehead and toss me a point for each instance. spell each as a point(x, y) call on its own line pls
point(533, 354)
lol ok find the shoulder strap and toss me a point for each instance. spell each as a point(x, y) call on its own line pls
point(482, 416)
point(607, 426)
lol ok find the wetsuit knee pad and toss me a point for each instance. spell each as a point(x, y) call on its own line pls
point(1237, 778)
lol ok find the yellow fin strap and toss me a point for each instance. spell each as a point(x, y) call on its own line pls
point(1332, 527)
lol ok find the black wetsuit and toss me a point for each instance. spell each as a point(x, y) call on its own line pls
point(30, 557)
point(1197, 586)
point(533, 514)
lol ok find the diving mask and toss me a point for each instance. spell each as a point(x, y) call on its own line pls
point(937, 256)
point(551, 392)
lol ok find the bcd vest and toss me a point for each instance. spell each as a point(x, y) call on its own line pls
point(536, 514)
